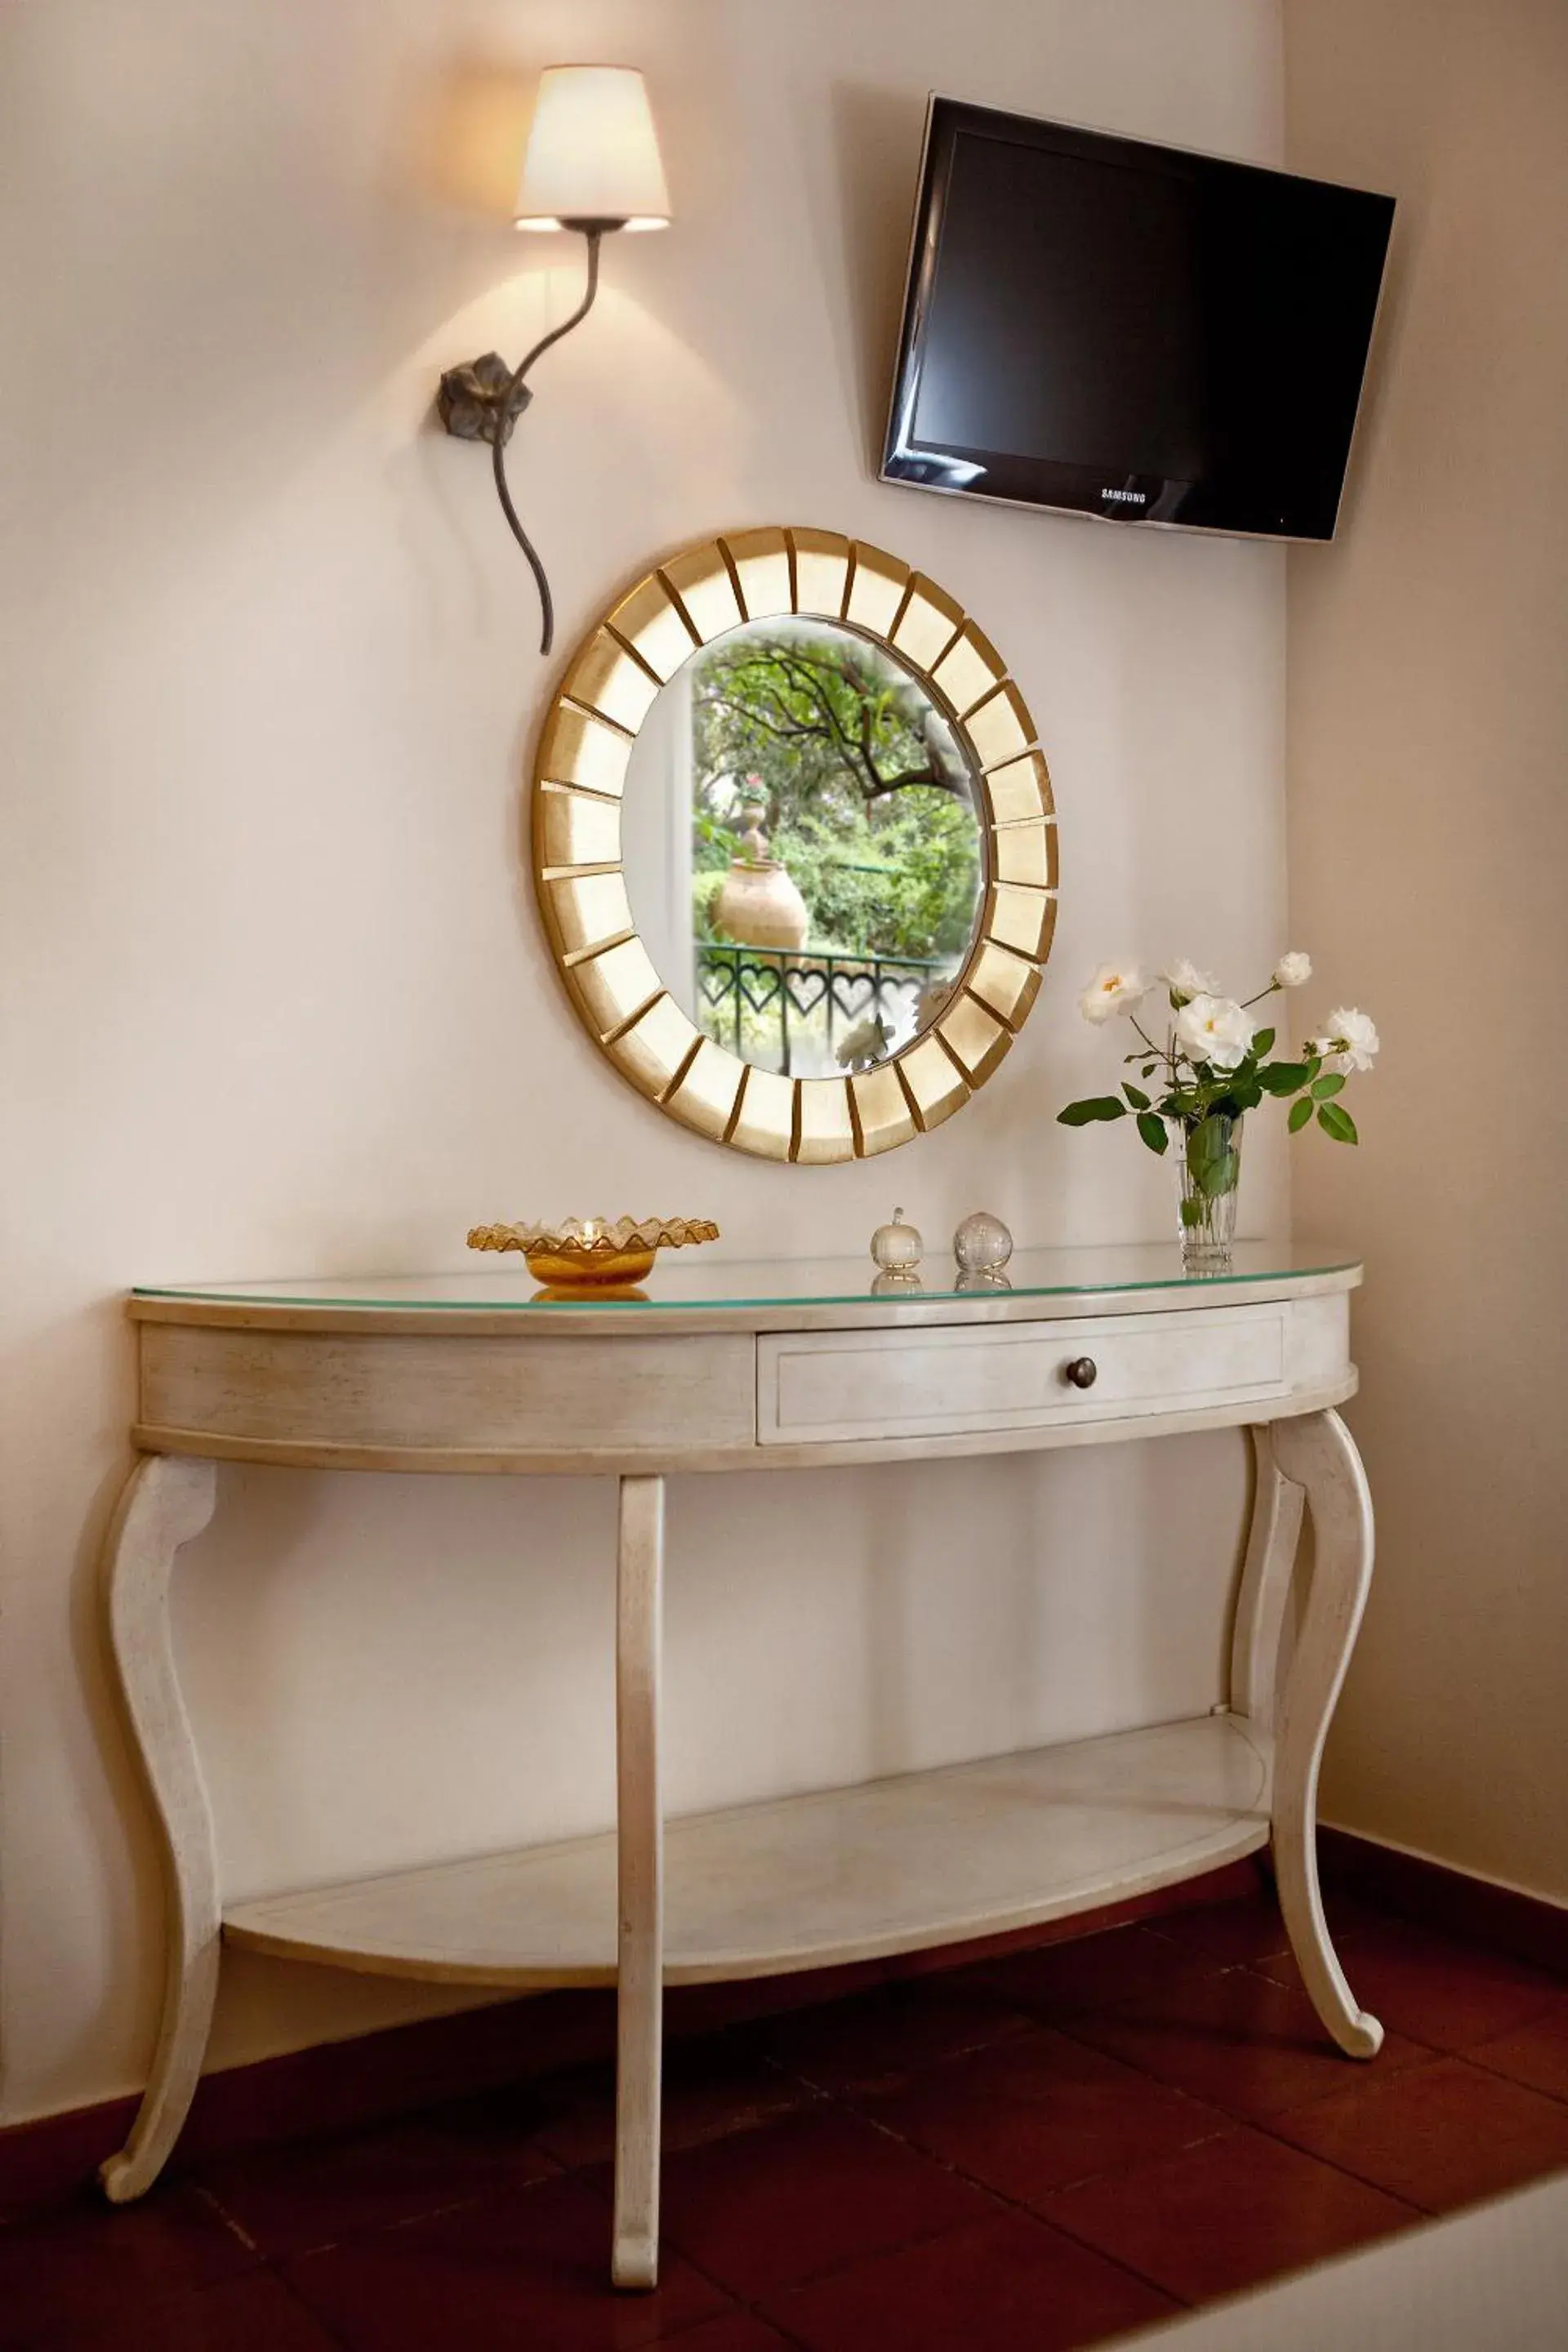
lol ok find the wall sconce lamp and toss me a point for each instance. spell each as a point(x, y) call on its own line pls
point(592, 165)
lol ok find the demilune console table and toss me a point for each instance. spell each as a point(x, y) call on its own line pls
point(754, 1367)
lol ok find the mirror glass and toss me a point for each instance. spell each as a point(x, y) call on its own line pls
point(802, 847)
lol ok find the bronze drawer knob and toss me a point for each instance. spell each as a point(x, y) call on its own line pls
point(1083, 1372)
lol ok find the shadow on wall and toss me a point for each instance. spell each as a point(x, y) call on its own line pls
point(877, 143)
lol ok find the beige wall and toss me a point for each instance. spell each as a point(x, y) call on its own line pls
point(1428, 858)
point(275, 998)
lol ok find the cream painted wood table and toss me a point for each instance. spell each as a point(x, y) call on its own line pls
point(732, 1367)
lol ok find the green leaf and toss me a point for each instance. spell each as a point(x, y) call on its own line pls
point(1079, 1114)
point(1152, 1131)
point(1262, 1043)
point(1337, 1123)
point(1323, 1088)
point(1192, 1212)
point(1138, 1101)
point(1300, 1112)
point(1219, 1176)
point(1283, 1077)
point(1248, 1097)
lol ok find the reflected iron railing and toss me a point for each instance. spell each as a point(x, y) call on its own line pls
point(736, 982)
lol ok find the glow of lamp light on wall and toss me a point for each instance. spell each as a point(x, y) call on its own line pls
point(592, 165)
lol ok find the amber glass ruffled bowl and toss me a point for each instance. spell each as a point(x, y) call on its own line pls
point(594, 1253)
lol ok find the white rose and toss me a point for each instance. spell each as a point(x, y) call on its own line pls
point(1115, 987)
point(1216, 1030)
point(1293, 971)
point(864, 1045)
point(1351, 1043)
point(1185, 979)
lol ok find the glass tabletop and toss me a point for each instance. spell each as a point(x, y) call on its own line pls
point(686, 1280)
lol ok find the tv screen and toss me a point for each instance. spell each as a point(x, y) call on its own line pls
point(1127, 331)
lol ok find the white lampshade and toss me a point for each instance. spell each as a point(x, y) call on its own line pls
point(593, 154)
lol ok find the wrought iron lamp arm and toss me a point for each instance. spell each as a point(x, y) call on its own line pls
point(482, 403)
point(594, 237)
point(498, 447)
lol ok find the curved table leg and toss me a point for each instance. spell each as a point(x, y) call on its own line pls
point(1316, 1452)
point(640, 1832)
point(1276, 1530)
point(167, 1500)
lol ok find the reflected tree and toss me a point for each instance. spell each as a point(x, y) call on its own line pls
point(868, 801)
point(810, 716)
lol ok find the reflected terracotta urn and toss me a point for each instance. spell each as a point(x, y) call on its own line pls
point(757, 905)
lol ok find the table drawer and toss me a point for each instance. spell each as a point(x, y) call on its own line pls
point(822, 1386)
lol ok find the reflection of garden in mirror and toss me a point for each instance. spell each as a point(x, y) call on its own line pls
point(802, 848)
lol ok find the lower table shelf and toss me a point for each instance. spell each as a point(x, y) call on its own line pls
point(849, 1874)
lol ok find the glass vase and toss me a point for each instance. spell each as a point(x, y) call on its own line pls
point(1207, 1154)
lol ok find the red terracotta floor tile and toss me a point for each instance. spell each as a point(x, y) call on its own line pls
point(877, 2040)
point(769, 2208)
point(1092, 1972)
point(1227, 1935)
point(1238, 2039)
point(1223, 2215)
point(1438, 1990)
point(738, 2331)
point(1009, 2284)
point(289, 2200)
point(253, 2314)
point(1440, 2136)
point(1536, 2054)
point(713, 2085)
point(525, 2273)
point(72, 2265)
point(1031, 2115)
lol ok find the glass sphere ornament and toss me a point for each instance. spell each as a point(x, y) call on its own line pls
point(982, 1244)
point(898, 1248)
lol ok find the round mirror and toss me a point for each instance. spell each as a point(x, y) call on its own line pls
point(792, 844)
point(802, 847)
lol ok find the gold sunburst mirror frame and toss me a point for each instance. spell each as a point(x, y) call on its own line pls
point(609, 688)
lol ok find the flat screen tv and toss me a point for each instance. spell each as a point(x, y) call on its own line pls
point(1131, 332)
